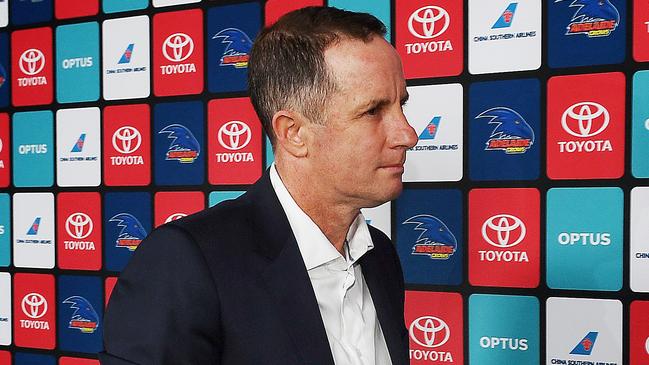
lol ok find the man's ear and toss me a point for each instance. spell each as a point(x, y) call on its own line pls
point(290, 132)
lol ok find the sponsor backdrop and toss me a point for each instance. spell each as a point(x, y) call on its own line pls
point(523, 229)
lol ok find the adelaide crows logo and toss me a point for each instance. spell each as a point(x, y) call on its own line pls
point(435, 240)
point(237, 49)
point(512, 134)
point(84, 318)
point(132, 232)
point(595, 18)
point(184, 147)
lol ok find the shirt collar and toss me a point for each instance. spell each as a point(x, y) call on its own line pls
point(314, 246)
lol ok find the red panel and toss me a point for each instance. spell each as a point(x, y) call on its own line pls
point(178, 53)
point(65, 9)
point(429, 37)
point(109, 285)
point(234, 135)
point(639, 342)
point(641, 30)
point(77, 361)
point(504, 237)
point(5, 147)
point(277, 8)
point(174, 205)
point(34, 311)
point(434, 322)
point(586, 126)
point(127, 145)
point(78, 241)
point(5, 358)
point(31, 66)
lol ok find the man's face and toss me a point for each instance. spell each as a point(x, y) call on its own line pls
point(360, 150)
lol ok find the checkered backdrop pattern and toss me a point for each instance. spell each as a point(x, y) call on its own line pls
point(523, 229)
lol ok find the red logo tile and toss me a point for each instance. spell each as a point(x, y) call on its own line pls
point(429, 37)
point(66, 9)
point(31, 67)
point(586, 126)
point(639, 342)
point(276, 8)
point(640, 30)
point(234, 142)
point(127, 145)
point(34, 311)
point(178, 53)
point(78, 243)
point(172, 205)
point(504, 237)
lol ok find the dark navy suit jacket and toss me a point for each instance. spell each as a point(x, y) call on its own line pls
point(228, 286)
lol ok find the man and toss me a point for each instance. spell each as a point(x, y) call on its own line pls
point(289, 273)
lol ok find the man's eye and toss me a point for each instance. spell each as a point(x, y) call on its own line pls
point(373, 111)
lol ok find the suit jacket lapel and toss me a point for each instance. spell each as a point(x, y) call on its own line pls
point(286, 278)
point(373, 272)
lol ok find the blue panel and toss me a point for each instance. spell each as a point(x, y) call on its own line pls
point(30, 11)
point(230, 32)
point(571, 43)
point(429, 236)
point(504, 130)
point(179, 147)
point(4, 70)
point(33, 359)
point(80, 303)
point(127, 220)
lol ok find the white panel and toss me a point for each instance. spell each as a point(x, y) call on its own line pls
point(33, 237)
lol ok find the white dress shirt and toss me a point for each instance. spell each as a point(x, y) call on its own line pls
point(353, 330)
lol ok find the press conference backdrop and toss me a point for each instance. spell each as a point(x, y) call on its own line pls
point(523, 229)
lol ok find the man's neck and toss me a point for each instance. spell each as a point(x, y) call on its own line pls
point(333, 218)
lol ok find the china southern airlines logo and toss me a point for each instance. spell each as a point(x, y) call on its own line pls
point(511, 134)
point(184, 147)
point(126, 56)
point(131, 233)
point(585, 346)
point(84, 318)
point(33, 229)
point(431, 129)
point(78, 147)
point(507, 17)
point(595, 18)
point(237, 49)
point(435, 240)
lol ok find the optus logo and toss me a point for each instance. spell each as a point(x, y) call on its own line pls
point(428, 22)
point(429, 331)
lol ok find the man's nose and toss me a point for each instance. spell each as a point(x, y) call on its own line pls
point(404, 135)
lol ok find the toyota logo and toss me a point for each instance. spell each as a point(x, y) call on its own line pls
point(178, 47)
point(127, 140)
point(504, 226)
point(32, 61)
point(582, 119)
point(78, 225)
point(0, 145)
point(429, 331)
point(175, 216)
point(425, 22)
point(34, 305)
point(646, 345)
point(234, 135)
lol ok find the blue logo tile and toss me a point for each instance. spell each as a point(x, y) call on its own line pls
point(504, 130)
point(33, 359)
point(503, 329)
point(127, 221)
point(80, 311)
point(584, 238)
point(230, 32)
point(586, 32)
point(30, 11)
point(33, 149)
point(179, 147)
point(429, 236)
point(5, 82)
point(77, 62)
